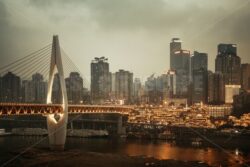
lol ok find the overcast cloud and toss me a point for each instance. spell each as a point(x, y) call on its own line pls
point(133, 34)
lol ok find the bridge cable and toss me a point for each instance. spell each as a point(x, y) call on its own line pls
point(24, 63)
point(40, 63)
point(21, 67)
point(28, 71)
point(29, 61)
point(74, 67)
point(31, 54)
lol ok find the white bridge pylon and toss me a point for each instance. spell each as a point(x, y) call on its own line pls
point(57, 123)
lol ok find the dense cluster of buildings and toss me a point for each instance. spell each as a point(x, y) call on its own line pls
point(108, 87)
point(174, 117)
point(14, 89)
point(188, 79)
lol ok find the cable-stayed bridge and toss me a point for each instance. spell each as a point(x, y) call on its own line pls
point(52, 63)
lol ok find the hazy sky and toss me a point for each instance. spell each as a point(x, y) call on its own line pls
point(133, 34)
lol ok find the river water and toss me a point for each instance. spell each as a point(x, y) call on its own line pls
point(157, 149)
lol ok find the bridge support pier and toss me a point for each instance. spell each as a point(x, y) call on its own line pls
point(57, 131)
point(121, 130)
point(57, 123)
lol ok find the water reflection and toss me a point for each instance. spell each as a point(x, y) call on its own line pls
point(168, 151)
point(157, 149)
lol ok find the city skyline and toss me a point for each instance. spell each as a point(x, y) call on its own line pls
point(124, 83)
point(119, 36)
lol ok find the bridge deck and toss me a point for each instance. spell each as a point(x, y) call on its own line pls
point(27, 109)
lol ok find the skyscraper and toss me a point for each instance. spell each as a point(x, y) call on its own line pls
point(199, 77)
point(228, 63)
point(40, 88)
point(180, 63)
point(137, 87)
point(171, 84)
point(100, 80)
point(182, 69)
point(199, 86)
point(175, 45)
point(245, 77)
point(216, 88)
point(11, 88)
point(35, 90)
point(124, 85)
point(28, 91)
point(74, 86)
point(153, 95)
point(198, 61)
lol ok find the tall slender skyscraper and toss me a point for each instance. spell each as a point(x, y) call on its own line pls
point(11, 88)
point(182, 69)
point(74, 86)
point(180, 63)
point(199, 77)
point(100, 80)
point(124, 85)
point(198, 61)
point(199, 86)
point(35, 90)
point(137, 87)
point(175, 45)
point(245, 77)
point(228, 63)
point(216, 88)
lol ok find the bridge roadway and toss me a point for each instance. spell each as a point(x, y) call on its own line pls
point(43, 109)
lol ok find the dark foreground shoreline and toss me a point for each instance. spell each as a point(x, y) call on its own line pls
point(75, 158)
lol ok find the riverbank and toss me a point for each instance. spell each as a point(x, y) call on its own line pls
point(74, 158)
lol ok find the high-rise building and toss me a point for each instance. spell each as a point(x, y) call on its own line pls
point(74, 86)
point(198, 61)
point(175, 45)
point(228, 63)
point(100, 80)
point(161, 88)
point(182, 69)
point(199, 78)
point(180, 63)
point(199, 86)
point(153, 94)
point(11, 88)
point(28, 93)
point(40, 88)
point(112, 94)
point(216, 88)
point(35, 90)
point(124, 86)
point(245, 77)
point(137, 88)
point(171, 84)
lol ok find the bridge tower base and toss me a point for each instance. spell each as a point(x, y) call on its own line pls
point(121, 130)
point(57, 123)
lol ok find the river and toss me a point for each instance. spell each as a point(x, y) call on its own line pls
point(157, 149)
